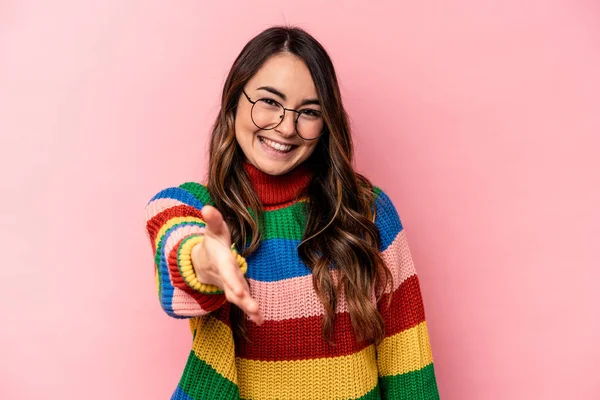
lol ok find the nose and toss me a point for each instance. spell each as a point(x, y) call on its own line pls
point(287, 127)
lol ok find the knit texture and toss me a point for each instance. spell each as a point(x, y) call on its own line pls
point(287, 356)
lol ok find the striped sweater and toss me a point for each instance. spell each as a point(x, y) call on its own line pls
point(287, 356)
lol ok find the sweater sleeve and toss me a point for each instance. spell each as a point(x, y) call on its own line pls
point(404, 357)
point(174, 224)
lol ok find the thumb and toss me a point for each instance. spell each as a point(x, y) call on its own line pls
point(214, 221)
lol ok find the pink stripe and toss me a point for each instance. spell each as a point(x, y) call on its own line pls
point(296, 298)
point(288, 298)
point(178, 234)
point(159, 205)
point(183, 304)
point(398, 259)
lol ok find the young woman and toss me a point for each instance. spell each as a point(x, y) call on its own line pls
point(292, 268)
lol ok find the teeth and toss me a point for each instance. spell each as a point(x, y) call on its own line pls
point(275, 145)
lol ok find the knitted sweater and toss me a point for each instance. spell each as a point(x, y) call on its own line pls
point(287, 356)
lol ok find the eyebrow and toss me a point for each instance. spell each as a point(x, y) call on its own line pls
point(276, 92)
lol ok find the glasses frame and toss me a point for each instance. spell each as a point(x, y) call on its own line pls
point(253, 102)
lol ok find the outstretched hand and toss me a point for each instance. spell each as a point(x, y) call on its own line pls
point(215, 264)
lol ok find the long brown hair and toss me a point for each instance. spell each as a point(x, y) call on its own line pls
point(340, 229)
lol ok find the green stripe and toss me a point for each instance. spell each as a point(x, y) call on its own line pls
point(201, 381)
point(286, 223)
point(273, 217)
point(199, 191)
point(372, 395)
point(419, 384)
point(290, 222)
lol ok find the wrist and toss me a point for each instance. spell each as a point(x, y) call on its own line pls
point(198, 256)
point(190, 259)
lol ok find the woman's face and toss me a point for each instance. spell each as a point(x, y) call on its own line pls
point(285, 79)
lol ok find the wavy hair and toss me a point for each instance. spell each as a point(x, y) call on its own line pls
point(340, 229)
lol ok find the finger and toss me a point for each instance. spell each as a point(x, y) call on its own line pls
point(253, 311)
point(248, 305)
point(232, 277)
point(251, 307)
point(258, 319)
point(231, 280)
point(237, 300)
point(244, 299)
point(213, 220)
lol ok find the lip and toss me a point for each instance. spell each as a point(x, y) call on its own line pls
point(277, 141)
point(274, 153)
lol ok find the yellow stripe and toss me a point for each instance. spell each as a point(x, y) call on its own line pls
point(169, 224)
point(405, 351)
point(187, 268)
point(194, 323)
point(324, 378)
point(214, 345)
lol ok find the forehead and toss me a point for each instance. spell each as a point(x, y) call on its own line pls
point(288, 74)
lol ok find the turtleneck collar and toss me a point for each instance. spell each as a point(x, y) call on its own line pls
point(273, 190)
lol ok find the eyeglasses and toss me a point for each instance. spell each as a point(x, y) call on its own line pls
point(268, 114)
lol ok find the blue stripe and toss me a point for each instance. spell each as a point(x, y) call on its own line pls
point(166, 289)
point(387, 220)
point(180, 194)
point(179, 394)
point(276, 259)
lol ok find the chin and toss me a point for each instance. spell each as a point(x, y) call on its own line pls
point(271, 168)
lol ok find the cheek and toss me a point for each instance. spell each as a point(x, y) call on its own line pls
point(242, 117)
point(245, 126)
point(244, 131)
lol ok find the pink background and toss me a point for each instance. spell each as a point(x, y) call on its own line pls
point(480, 118)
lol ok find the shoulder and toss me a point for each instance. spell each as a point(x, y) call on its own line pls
point(387, 218)
point(193, 194)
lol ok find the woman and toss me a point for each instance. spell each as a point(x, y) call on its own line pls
point(292, 268)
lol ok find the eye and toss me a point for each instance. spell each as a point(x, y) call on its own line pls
point(309, 112)
point(270, 102)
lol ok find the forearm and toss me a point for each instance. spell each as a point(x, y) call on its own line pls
point(178, 294)
point(174, 224)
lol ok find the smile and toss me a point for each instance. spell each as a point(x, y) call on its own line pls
point(283, 148)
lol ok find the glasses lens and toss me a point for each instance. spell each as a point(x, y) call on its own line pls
point(267, 114)
point(310, 124)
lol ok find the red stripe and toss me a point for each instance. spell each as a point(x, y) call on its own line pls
point(272, 340)
point(222, 313)
point(155, 223)
point(406, 309)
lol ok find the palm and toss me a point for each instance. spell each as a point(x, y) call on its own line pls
point(220, 267)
